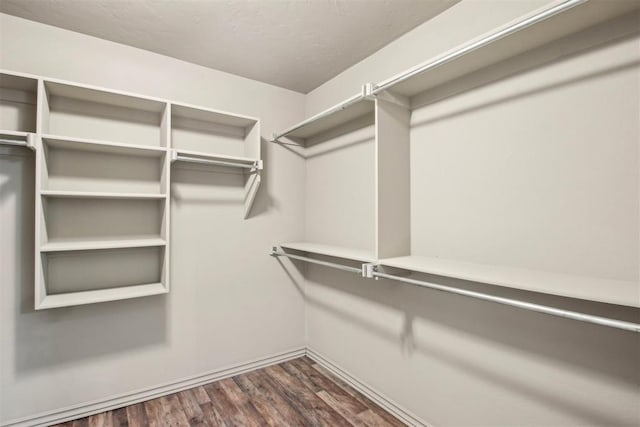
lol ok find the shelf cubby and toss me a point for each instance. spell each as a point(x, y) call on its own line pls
point(79, 165)
point(340, 198)
point(18, 101)
point(91, 113)
point(84, 220)
point(211, 132)
point(83, 277)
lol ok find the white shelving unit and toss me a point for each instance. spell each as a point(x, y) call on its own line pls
point(404, 166)
point(219, 139)
point(103, 172)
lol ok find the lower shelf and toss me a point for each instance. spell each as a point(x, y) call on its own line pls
point(77, 276)
point(610, 291)
point(101, 295)
point(330, 250)
point(83, 245)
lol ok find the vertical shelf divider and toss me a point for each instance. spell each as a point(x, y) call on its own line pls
point(165, 141)
point(392, 179)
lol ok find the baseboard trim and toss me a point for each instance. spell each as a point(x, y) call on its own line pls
point(114, 402)
point(387, 404)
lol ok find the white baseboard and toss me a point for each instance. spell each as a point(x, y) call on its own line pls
point(115, 402)
point(387, 404)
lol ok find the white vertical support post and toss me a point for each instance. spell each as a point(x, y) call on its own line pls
point(392, 179)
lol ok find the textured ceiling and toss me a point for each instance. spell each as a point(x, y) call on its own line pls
point(296, 44)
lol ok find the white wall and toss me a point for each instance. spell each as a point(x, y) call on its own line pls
point(229, 302)
point(454, 361)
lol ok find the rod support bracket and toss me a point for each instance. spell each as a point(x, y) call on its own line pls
point(367, 91)
point(368, 269)
point(31, 141)
point(173, 155)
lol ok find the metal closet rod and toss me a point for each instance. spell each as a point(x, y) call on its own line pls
point(13, 142)
point(254, 165)
point(568, 314)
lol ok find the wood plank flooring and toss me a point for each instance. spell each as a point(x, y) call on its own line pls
point(294, 393)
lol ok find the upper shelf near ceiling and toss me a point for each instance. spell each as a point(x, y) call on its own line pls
point(543, 26)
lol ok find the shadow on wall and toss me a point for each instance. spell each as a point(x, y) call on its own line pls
point(196, 184)
point(611, 353)
point(606, 35)
point(264, 201)
point(62, 336)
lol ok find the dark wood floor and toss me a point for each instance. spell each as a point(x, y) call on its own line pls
point(294, 393)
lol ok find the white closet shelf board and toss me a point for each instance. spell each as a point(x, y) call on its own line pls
point(104, 96)
point(98, 146)
point(99, 195)
point(102, 295)
point(83, 245)
point(331, 118)
point(448, 66)
point(589, 288)
point(329, 250)
point(221, 157)
point(192, 112)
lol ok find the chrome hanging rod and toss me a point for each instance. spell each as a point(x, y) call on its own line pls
point(343, 105)
point(27, 140)
point(582, 317)
point(253, 165)
point(275, 253)
point(13, 142)
point(419, 69)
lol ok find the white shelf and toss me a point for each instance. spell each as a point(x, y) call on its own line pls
point(590, 288)
point(439, 70)
point(330, 250)
point(99, 146)
point(191, 112)
point(99, 195)
point(81, 245)
point(210, 156)
point(331, 118)
point(101, 295)
point(103, 96)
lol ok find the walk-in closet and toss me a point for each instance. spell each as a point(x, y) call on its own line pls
point(320, 213)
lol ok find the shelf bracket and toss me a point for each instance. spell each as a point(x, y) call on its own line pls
point(31, 141)
point(399, 100)
point(367, 91)
point(173, 155)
